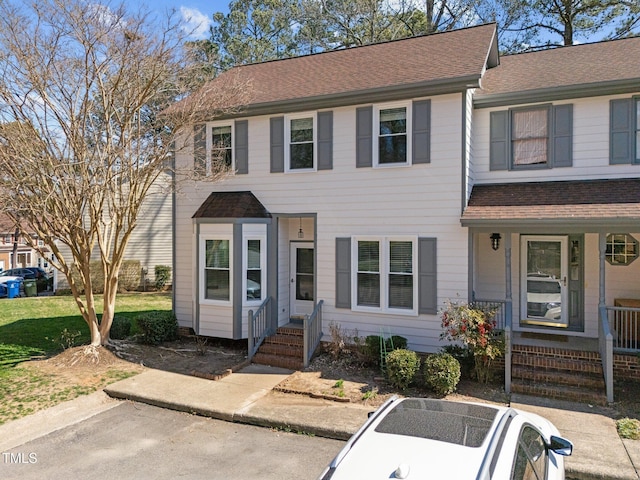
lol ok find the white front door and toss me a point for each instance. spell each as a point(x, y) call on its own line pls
point(302, 279)
point(543, 281)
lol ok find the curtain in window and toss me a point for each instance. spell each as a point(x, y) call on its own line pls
point(530, 137)
point(369, 273)
point(401, 275)
point(217, 271)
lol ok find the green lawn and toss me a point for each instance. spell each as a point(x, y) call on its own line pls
point(32, 327)
point(36, 325)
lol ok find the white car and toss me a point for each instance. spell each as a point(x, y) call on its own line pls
point(422, 438)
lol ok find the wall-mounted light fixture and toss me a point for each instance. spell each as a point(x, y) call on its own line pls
point(495, 240)
point(300, 232)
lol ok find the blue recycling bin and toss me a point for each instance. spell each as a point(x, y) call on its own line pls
point(3, 290)
point(13, 288)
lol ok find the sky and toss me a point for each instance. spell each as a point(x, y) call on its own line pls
point(197, 13)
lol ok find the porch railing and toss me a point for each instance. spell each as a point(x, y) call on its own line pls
point(605, 343)
point(625, 328)
point(498, 305)
point(258, 325)
point(312, 332)
point(503, 322)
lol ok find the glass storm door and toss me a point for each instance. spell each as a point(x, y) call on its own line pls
point(302, 284)
point(543, 282)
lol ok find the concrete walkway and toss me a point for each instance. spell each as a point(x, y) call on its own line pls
point(247, 397)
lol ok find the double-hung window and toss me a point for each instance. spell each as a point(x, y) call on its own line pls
point(385, 276)
point(530, 136)
point(217, 270)
point(213, 148)
point(300, 134)
point(254, 269)
point(392, 140)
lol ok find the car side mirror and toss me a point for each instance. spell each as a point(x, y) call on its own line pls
point(560, 445)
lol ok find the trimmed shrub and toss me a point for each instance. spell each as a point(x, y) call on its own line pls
point(441, 373)
point(464, 355)
point(163, 275)
point(373, 347)
point(402, 366)
point(130, 275)
point(158, 327)
point(120, 328)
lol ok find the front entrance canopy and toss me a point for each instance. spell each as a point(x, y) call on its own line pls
point(597, 203)
point(231, 205)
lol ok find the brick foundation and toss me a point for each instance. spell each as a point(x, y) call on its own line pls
point(626, 367)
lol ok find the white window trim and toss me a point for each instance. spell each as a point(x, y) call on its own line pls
point(202, 268)
point(384, 274)
point(287, 142)
point(376, 133)
point(263, 268)
point(209, 133)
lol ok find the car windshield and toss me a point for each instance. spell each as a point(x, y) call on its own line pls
point(457, 423)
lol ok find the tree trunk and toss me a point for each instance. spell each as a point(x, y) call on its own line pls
point(14, 258)
point(108, 310)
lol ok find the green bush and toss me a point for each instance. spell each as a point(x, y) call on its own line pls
point(373, 345)
point(464, 355)
point(441, 373)
point(163, 275)
point(120, 328)
point(402, 366)
point(158, 327)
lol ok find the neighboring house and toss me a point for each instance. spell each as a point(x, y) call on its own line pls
point(151, 242)
point(374, 184)
point(25, 256)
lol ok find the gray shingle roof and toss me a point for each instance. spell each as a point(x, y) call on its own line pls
point(567, 200)
point(589, 65)
point(231, 205)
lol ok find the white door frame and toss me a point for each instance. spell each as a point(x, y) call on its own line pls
point(547, 320)
point(300, 307)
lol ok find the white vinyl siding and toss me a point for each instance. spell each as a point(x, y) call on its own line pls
point(348, 201)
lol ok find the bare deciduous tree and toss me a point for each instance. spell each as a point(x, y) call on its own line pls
point(86, 129)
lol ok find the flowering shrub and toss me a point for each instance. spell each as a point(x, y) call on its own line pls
point(476, 329)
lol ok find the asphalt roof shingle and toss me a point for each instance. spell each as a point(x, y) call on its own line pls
point(231, 205)
point(574, 200)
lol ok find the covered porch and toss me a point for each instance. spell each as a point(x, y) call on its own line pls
point(559, 259)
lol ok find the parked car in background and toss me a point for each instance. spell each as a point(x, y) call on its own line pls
point(430, 438)
point(30, 273)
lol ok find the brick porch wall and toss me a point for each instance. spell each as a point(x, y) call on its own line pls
point(626, 367)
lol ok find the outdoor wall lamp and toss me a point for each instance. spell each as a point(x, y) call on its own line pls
point(300, 232)
point(495, 240)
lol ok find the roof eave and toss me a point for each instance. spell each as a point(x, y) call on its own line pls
point(558, 93)
point(595, 224)
point(376, 95)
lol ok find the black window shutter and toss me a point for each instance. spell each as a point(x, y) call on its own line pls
point(325, 140)
point(277, 144)
point(427, 276)
point(621, 131)
point(242, 146)
point(499, 138)
point(200, 149)
point(421, 134)
point(343, 272)
point(364, 139)
point(562, 141)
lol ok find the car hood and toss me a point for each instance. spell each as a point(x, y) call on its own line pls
point(379, 455)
